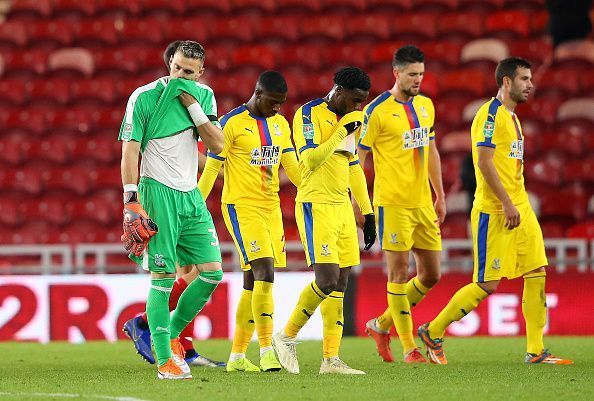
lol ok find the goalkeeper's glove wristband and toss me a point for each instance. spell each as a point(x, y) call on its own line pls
point(369, 233)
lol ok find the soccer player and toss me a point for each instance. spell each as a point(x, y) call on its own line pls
point(163, 120)
point(257, 141)
point(506, 236)
point(324, 132)
point(398, 129)
point(137, 329)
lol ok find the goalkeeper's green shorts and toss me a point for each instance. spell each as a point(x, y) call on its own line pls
point(187, 234)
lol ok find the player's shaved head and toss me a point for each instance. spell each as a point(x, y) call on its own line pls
point(170, 51)
point(272, 81)
point(408, 54)
point(352, 78)
point(191, 49)
point(509, 68)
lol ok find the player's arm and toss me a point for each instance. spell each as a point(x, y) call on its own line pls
point(371, 126)
point(291, 166)
point(358, 186)
point(214, 162)
point(436, 181)
point(358, 213)
point(489, 172)
point(314, 156)
point(211, 135)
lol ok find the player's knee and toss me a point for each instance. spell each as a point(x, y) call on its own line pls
point(429, 279)
point(327, 284)
point(489, 287)
point(398, 274)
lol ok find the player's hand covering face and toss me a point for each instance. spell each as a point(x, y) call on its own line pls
point(186, 68)
point(348, 100)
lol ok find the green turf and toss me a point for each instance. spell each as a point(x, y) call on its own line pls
point(479, 369)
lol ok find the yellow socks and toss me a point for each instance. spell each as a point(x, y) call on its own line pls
point(263, 308)
point(332, 315)
point(244, 324)
point(415, 292)
point(534, 307)
point(400, 310)
point(462, 303)
point(309, 300)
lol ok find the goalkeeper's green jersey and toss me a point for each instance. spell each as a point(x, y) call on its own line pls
point(156, 118)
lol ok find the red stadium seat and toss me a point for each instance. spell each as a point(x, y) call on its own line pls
point(348, 55)
point(437, 6)
point(79, 232)
point(25, 63)
point(235, 85)
point(165, 7)
point(352, 6)
point(501, 23)
point(49, 91)
point(390, 5)
point(376, 26)
point(192, 28)
point(526, 5)
point(465, 82)
point(142, 31)
point(298, 5)
point(72, 60)
point(74, 8)
point(483, 6)
point(238, 28)
point(260, 56)
point(108, 118)
point(414, 26)
point(114, 60)
point(546, 171)
point(36, 232)
point(264, 6)
point(55, 149)
point(576, 109)
point(49, 209)
point(305, 55)
point(539, 21)
point(450, 166)
point(55, 32)
point(576, 55)
point(582, 230)
point(331, 26)
point(27, 179)
point(11, 149)
point(455, 227)
point(460, 25)
point(488, 52)
point(532, 50)
point(558, 83)
point(219, 6)
point(441, 55)
point(14, 33)
point(12, 212)
point(32, 120)
point(13, 92)
point(98, 31)
point(455, 142)
point(383, 53)
point(93, 209)
point(430, 84)
point(317, 84)
point(450, 112)
point(68, 178)
point(118, 7)
point(570, 143)
point(581, 170)
point(552, 228)
point(31, 8)
point(284, 27)
point(102, 149)
point(543, 109)
point(382, 79)
point(106, 178)
point(94, 89)
point(566, 203)
point(76, 120)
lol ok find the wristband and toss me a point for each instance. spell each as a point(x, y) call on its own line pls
point(130, 188)
point(197, 114)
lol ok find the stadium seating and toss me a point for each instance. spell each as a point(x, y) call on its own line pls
point(68, 67)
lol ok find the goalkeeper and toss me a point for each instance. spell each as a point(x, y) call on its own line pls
point(166, 222)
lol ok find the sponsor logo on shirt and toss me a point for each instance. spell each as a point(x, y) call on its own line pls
point(308, 131)
point(159, 260)
point(416, 138)
point(266, 156)
point(488, 129)
point(516, 150)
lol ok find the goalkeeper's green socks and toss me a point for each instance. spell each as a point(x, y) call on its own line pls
point(193, 300)
point(157, 311)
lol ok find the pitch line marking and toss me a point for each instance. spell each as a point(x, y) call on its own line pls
point(66, 395)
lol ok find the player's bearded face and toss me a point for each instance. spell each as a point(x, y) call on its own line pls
point(186, 68)
point(410, 77)
point(521, 85)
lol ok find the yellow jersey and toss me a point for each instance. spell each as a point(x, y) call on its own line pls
point(496, 127)
point(253, 149)
point(398, 134)
point(314, 123)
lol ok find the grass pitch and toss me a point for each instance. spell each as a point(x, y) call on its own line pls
point(479, 369)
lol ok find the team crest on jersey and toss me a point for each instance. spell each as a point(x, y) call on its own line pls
point(159, 260)
point(517, 150)
point(488, 129)
point(277, 130)
point(325, 250)
point(424, 113)
point(266, 156)
point(127, 132)
point(496, 265)
point(254, 245)
point(308, 131)
point(393, 238)
point(416, 138)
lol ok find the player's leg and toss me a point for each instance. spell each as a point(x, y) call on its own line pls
point(531, 253)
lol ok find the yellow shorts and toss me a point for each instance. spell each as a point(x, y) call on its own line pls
point(499, 252)
point(401, 229)
point(257, 233)
point(328, 233)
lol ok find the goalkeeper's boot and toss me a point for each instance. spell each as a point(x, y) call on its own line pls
point(286, 349)
point(337, 366)
point(269, 362)
point(171, 371)
point(414, 356)
point(241, 365)
point(178, 354)
point(140, 337)
point(381, 338)
point(434, 346)
point(195, 359)
point(546, 357)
